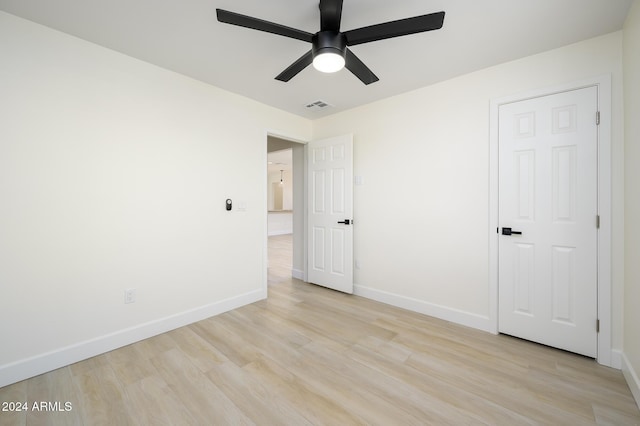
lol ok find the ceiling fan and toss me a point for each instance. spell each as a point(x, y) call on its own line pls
point(329, 51)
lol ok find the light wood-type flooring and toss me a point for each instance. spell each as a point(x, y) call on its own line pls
point(309, 355)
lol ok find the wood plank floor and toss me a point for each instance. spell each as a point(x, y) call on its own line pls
point(308, 355)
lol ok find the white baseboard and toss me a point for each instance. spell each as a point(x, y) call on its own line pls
point(438, 311)
point(43, 363)
point(615, 359)
point(298, 274)
point(279, 232)
point(632, 378)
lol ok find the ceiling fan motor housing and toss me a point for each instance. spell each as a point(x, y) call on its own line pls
point(329, 42)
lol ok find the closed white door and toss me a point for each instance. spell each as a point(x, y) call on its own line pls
point(548, 153)
point(330, 213)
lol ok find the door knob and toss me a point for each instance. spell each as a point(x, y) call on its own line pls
point(508, 231)
point(346, 222)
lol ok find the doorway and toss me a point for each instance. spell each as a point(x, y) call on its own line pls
point(285, 207)
point(322, 208)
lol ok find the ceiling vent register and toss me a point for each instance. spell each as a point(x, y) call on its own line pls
point(318, 105)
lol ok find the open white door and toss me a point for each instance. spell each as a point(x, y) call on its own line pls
point(330, 213)
point(548, 209)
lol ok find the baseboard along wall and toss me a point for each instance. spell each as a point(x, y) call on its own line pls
point(438, 311)
point(43, 363)
point(632, 378)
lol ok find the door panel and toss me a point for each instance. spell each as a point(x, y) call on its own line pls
point(318, 251)
point(524, 278)
point(318, 204)
point(563, 284)
point(547, 278)
point(564, 184)
point(330, 166)
point(525, 163)
point(338, 251)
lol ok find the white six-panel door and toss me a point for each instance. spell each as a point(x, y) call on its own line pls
point(330, 201)
point(547, 278)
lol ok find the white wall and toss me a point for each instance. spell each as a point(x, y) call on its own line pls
point(421, 216)
point(280, 223)
point(111, 177)
point(631, 366)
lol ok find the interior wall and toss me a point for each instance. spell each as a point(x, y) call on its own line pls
point(632, 198)
point(421, 232)
point(114, 175)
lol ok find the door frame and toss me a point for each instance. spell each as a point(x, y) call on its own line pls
point(299, 274)
point(603, 84)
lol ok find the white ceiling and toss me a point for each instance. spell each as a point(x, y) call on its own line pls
point(184, 36)
point(280, 160)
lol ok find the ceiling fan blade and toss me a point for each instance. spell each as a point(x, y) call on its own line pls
point(401, 27)
point(261, 25)
point(303, 62)
point(330, 15)
point(359, 69)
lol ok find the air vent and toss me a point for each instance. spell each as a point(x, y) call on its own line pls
point(318, 105)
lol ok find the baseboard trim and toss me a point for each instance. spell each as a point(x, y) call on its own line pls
point(297, 274)
point(49, 361)
point(281, 232)
point(615, 360)
point(632, 378)
point(438, 311)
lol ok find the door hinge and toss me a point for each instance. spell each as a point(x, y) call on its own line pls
point(597, 326)
point(598, 221)
point(597, 118)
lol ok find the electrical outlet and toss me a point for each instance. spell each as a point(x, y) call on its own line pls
point(130, 295)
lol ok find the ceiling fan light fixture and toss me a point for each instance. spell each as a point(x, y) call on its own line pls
point(329, 49)
point(328, 62)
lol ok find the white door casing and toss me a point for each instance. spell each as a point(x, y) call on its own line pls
point(548, 190)
point(330, 201)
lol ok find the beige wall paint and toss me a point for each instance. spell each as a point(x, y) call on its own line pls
point(632, 197)
point(111, 177)
point(421, 233)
